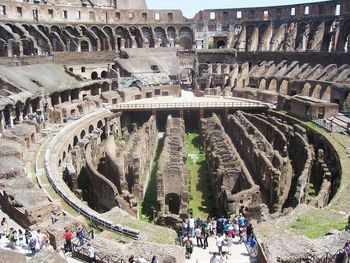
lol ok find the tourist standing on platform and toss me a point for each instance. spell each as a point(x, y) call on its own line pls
point(80, 235)
point(68, 244)
point(252, 245)
point(91, 253)
point(219, 242)
point(32, 244)
point(198, 234)
point(4, 227)
point(184, 227)
point(205, 237)
point(191, 226)
point(249, 231)
point(188, 247)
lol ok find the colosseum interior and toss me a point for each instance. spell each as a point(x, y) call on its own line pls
point(115, 117)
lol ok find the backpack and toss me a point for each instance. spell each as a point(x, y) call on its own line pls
point(188, 244)
point(32, 242)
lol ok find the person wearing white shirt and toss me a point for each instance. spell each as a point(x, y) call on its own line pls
point(91, 253)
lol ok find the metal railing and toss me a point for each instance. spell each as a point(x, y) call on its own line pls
point(67, 195)
point(337, 257)
point(83, 254)
point(189, 105)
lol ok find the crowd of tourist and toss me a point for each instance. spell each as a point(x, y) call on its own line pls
point(20, 239)
point(222, 230)
point(141, 259)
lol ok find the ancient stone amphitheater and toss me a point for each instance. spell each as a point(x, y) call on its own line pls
point(97, 99)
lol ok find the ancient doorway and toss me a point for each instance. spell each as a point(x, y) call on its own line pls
point(173, 201)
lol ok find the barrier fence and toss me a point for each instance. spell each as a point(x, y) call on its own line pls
point(189, 105)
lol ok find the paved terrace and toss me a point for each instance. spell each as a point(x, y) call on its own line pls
point(179, 103)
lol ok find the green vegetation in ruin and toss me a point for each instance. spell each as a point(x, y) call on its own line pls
point(200, 192)
point(317, 225)
point(149, 203)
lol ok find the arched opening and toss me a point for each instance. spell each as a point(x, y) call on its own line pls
point(284, 87)
point(160, 37)
point(273, 85)
point(99, 124)
point(94, 75)
point(171, 32)
point(82, 134)
point(263, 44)
point(147, 33)
point(186, 36)
point(327, 94)
point(173, 201)
point(84, 46)
point(221, 44)
point(135, 33)
point(306, 90)
point(104, 74)
point(262, 84)
point(316, 93)
point(91, 128)
point(69, 148)
point(75, 141)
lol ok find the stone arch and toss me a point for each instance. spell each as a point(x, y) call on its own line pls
point(91, 128)
point(56, 39)
point(99, 124)
point(160, 36)
point(301, 27)
point(314, 27)
point(102, 36)
point(326, 95)
point(105, 86)
point(249, 37)
point(316, 92)
point(136, 34)
point(284, 87)
point(273, 85)
point(82, 134)
point(262, 84)
point(104, 74)
point(109, 32)
point(3, 48)
point(221, 44)
point(75, 141)
point(171, 32)
point(94, 45)
point(306, 89)
point(84, 46)
point(263, 46)
point(94, 75)
point(344, 44)
point(186, 37)
point(147, 34)
point(122, 38)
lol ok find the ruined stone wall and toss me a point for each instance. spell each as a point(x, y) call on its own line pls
point(268, 168)
point(330, 157)
point(272, 134)
point(129, 162)
point(233, 186)
point(301, 154)
point(102, 191)
point(172, 192)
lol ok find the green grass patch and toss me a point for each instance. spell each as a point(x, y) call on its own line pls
point(317, 226)
point(200, 192)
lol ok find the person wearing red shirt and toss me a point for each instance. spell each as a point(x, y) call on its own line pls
point(68, 237)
